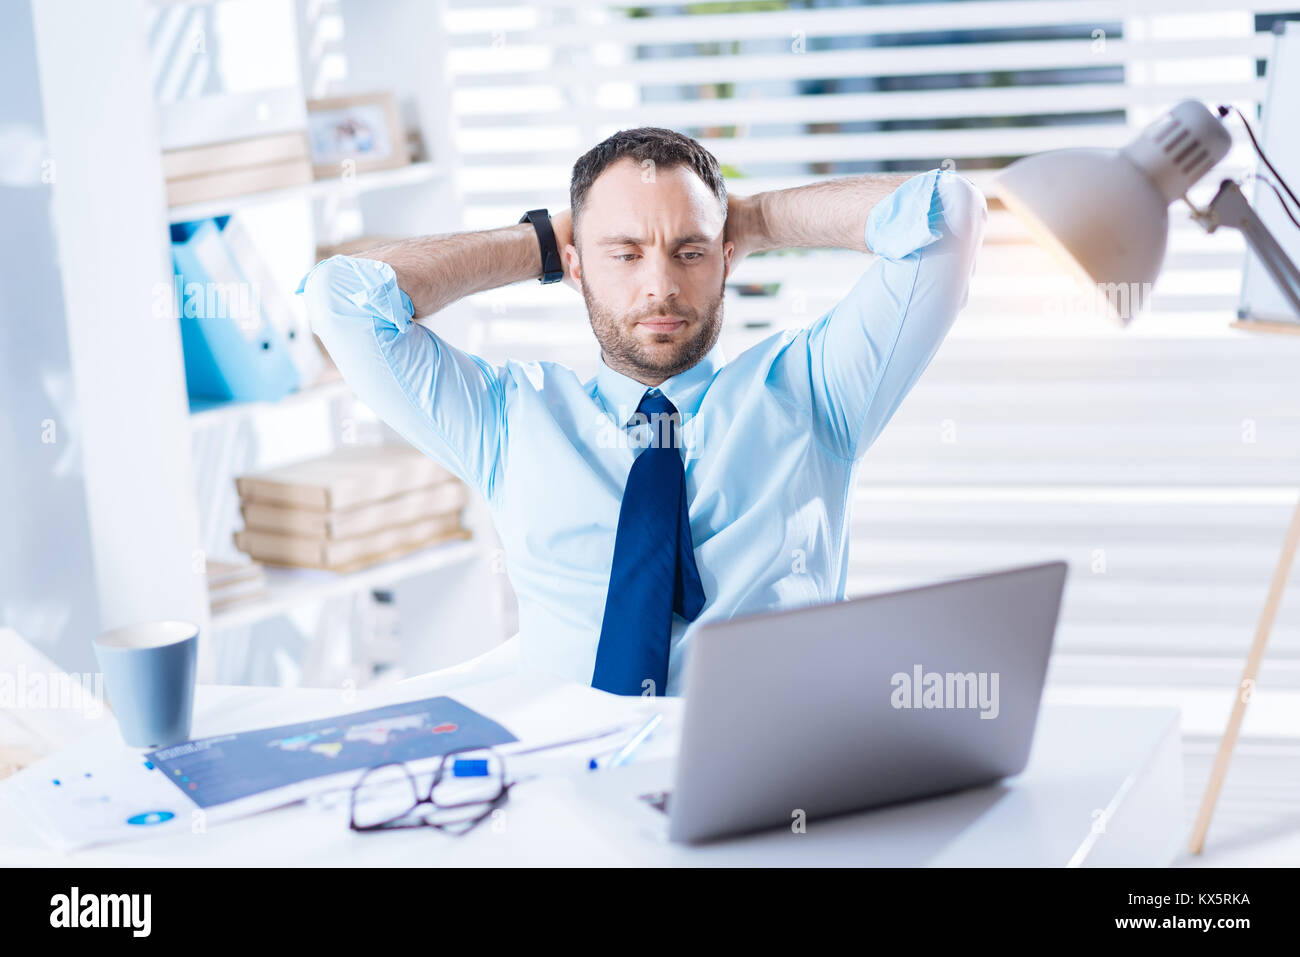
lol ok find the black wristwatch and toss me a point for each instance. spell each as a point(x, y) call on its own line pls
point(552, 271)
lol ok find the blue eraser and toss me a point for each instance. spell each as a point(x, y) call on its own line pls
point(592, 765)
point(470, 768)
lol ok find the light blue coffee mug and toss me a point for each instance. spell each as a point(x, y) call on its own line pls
point(149, 670)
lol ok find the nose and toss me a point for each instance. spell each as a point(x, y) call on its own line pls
point(659, 283)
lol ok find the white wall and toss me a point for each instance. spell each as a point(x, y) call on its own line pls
point(100, 525)
point(47, 580)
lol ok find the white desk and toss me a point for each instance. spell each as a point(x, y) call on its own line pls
point(1103, 787)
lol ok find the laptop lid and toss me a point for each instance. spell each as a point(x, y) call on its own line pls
point(819, 710)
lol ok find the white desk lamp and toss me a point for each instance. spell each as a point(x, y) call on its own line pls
point(1104, 213)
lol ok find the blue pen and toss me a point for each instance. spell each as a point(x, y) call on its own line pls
point(622, 754)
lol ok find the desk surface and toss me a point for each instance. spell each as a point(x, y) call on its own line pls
point(1103, 786)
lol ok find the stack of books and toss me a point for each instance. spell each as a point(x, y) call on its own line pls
point(197, 174)
point(355, 507)
point(230, 583)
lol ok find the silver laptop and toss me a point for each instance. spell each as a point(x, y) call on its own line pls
point(832, 708)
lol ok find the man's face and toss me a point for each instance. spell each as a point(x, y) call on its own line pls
point(652, 267)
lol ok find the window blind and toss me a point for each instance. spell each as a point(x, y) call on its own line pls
point(1161, 461)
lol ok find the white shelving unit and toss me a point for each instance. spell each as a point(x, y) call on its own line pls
point(159, 477)
point(413, 174)
point(206, 415)
point(291, 588)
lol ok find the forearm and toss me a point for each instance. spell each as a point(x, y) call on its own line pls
point(830, 214)
point(435, 271)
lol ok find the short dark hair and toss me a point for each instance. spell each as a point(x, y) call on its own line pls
point(666, 149)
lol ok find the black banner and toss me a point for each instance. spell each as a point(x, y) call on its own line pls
point(299, 906)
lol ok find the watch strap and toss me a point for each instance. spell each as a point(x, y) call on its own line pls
point(552, 271)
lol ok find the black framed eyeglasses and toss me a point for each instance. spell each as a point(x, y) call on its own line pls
point(465, 789)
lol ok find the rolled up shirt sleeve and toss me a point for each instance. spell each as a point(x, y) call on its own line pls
point(857, 363)
point(446, 402)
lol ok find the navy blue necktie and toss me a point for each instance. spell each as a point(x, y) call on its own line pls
point(654, 571)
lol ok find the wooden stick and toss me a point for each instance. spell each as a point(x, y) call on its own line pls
point(1244, 689)
point(1267, 325)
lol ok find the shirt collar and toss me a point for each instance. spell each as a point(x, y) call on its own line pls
point(622, 394)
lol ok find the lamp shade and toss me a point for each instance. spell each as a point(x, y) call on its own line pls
point(1105, 213)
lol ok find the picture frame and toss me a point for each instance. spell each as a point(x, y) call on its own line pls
point(365, 129)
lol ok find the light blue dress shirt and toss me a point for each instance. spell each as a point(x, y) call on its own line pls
point(772, 438)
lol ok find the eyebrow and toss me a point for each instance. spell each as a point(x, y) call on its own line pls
point(638, 241)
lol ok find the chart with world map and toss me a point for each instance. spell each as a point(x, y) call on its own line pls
point(212, 771)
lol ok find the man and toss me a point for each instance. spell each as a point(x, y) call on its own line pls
point(675, 487)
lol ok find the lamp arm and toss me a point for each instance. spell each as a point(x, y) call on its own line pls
point(1230, 208)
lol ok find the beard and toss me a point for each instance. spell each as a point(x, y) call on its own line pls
point(627, 354)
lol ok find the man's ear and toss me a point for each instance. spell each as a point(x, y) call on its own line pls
point(572, 267)
point(728, 250)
